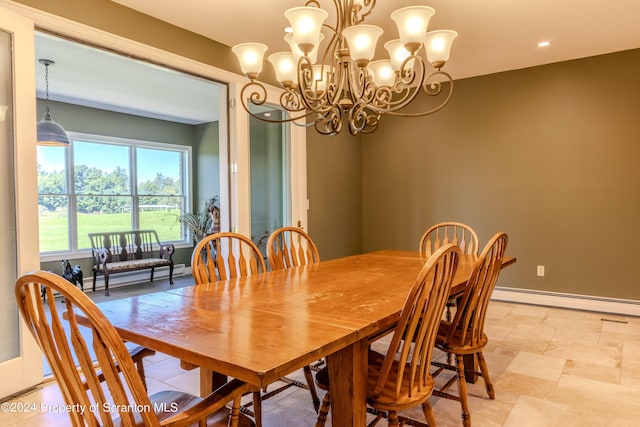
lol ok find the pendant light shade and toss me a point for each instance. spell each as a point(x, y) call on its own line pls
point(50, 132)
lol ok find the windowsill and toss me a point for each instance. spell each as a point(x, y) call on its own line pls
point(87, 253)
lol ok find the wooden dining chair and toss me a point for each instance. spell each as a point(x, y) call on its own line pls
point(291, 247)
point(401, 378)
point(465, 334)
point(225, 255)
point(449, 232)
point(109, 388)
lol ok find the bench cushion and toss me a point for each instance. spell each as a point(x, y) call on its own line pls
point(136, 264)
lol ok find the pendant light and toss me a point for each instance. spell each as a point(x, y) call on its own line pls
point(50, 132)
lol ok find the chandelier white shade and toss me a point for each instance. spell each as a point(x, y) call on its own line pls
point(382, 72)
point(251, 56)
point(306, 23)
point(341, 82)
point(412, 23)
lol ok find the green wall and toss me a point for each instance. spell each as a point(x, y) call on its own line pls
point(334, 187)
point(267, 160)
point(547, 154)
point(206, 163)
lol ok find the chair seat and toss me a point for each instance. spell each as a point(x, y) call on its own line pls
point(408, 397)
point(455, 345)
point(167, 403)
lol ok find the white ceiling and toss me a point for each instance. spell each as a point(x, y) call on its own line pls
point(96, 78)
point(494, 36)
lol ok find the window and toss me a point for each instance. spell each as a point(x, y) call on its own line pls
point(107, 184)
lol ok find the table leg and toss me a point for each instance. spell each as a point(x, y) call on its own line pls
point(210, 381)
point(348, 373)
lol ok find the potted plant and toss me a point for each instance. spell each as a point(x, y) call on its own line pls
point(203, 222)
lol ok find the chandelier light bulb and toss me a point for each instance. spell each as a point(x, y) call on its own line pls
point(284, 66)
point(438, 46)
point(306, 23)
point(398, 53)
point(297, 53)
point(362, 40)
point(250, 56)
point(412, 23)
point(382, 72)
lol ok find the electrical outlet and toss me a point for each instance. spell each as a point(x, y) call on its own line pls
point(540, 270)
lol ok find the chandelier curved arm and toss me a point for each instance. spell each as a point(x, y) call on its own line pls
point(359, 83)
point(433, 88)
point(362, 119)
point(359, 14)
point(329, 123)
point(259, 97)
point(386, 99)
point(314, 95)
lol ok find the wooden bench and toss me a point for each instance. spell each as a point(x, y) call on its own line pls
point(123, 251)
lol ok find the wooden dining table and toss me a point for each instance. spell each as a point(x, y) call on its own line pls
point(263, 327)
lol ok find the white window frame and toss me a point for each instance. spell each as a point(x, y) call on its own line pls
point(186, 180)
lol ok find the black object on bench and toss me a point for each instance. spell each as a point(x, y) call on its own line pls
point(121, 251)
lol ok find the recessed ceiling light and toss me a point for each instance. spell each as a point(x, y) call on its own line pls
point(267, 114)
point(544, 43)
point(288, 29)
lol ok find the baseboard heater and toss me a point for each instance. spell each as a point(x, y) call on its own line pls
point(142, 276)
point(575, 301)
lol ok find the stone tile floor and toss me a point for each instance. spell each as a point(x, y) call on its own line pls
point(550, 367)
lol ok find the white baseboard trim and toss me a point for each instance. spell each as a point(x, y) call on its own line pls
point(141, 276)
point(574, 301)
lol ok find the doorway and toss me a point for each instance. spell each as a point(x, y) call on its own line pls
point(270, 189)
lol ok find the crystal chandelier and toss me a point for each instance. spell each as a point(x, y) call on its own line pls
point(346, 86)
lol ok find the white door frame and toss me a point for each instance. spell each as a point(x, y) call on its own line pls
point(240, 154)
point(25, 370)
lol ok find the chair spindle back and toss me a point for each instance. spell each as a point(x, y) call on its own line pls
point(290, 247)
point(225, 255)
point(442, 233)
point(468, 323)
point(81, 387)
point(420, 317)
